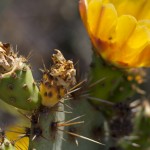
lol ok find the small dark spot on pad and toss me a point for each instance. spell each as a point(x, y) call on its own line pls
point(50, 94)
point(45, 94)
point(10, 86)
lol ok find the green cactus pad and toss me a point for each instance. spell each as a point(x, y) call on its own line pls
point(19, 89)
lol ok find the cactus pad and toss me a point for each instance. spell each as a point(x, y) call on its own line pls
point(17, 86)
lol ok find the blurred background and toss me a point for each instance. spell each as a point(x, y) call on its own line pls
point(41, 26)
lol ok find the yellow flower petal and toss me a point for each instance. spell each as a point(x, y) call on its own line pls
point(145, 23)
point(125, 26)
point(120, 30)
point(137, 42)
point(98, 16)
point(14, 135)
point(139, 38)
point(144, 57)
point(83, 11)
point(137, 8)
point(144, 12)
point(129, 54)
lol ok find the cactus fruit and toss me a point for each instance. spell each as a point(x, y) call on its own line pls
point(58, 80)
point(17, 85)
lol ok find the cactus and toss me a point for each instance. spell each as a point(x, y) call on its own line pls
point(115, 84)
point(110, 92)
point(56, 87)
point(65, 112)
point(17, 85)
point(65, 107)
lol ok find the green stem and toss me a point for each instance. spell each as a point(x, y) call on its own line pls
point(44, 136)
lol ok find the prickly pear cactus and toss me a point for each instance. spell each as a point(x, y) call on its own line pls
point(17, 85)
point(66, 112)
point(47, 130)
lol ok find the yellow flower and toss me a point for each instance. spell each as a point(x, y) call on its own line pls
point(119, 30)
point(16, 134)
